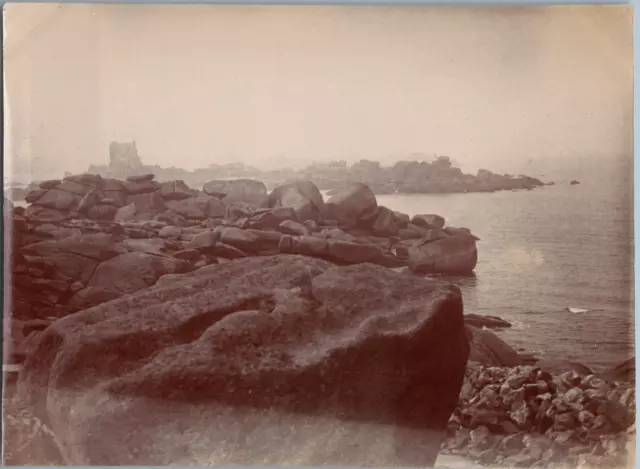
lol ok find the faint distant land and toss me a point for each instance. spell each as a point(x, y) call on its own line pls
point(438, 176)
point(408, 177)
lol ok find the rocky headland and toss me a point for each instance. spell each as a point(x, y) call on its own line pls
point(155, 324)
point(419, 175)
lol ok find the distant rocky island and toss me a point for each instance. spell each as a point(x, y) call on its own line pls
point(404, 177)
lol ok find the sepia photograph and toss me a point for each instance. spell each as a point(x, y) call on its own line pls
point(318, 235)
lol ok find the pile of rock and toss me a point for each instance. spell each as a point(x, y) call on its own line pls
point(86, 239)
point(238, 216)
point(526, 417)
point(374, 233)
point(96, 198)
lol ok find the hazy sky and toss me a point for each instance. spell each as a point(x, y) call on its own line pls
point(195, 85)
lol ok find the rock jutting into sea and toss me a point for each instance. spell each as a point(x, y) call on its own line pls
point(415, 176)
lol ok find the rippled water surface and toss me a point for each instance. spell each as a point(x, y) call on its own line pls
point(545, 250)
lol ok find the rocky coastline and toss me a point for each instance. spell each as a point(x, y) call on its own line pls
point(80, 232)
point(121, 287)
point(420, 175)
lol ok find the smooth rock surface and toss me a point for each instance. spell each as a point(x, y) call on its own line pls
point(451, 255)
point(428, 221)
point(273, 361)
point(302, 196)
point(349, 205)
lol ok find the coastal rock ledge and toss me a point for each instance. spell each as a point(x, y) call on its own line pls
point(85, 240)
point(272, 360)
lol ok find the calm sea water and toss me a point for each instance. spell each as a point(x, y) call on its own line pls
point(545, 250)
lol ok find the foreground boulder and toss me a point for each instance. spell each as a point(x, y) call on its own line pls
point(272, 361)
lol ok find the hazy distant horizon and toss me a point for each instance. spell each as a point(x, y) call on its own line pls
point(510, 89)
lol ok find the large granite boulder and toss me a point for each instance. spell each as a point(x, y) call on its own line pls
point(63, 195)
point(453, 255)
point(303, 196)
point(45, 274)
point(268, 361)
point(350, 205)
point(57, 199)
point(385, 223)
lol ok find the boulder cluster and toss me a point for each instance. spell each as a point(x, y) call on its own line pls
point(525, 416)
point(85, 240)
point(420, 175)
